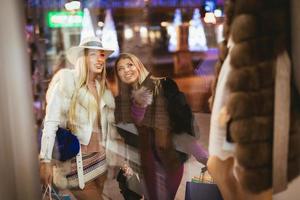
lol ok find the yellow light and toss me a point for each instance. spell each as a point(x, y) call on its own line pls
point(210, 18)
point(73, 5)
point(136, 28)
point(152, 36)
point(164, 24)
point(218, 13)
point(128, 33)
point(143, 32)
point(157, 34)
point(100, 24)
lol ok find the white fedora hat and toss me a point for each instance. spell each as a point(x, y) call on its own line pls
point(87, 43)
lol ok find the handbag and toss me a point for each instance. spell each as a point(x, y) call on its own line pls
point(129, 186)
point(202, 188)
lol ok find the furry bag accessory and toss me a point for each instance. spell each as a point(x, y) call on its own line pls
point(141, 98)
point(67, 145)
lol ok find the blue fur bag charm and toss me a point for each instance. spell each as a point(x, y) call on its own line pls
point(67, 145)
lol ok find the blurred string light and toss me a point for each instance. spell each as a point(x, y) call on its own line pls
point(144, 34)
point(218, 13)
point(143, 31)
point(136, 28)
point(158, 34)
point(100, 24)
point(73, 5)
point(164, 24)
point(124, 3)
point(128, 32)
point(152, 36)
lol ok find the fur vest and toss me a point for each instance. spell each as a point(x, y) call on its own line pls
point(259, 28)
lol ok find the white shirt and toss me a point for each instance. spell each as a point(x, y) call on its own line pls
point(218, 145)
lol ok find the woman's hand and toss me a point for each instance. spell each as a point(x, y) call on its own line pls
point(46, 173)
point(127, 170)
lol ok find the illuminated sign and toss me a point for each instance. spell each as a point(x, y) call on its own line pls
point(57, 19)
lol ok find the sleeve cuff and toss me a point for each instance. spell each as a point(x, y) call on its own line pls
point(45, 161)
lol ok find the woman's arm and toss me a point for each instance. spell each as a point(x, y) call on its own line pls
point(51, 123)
point(189, 145)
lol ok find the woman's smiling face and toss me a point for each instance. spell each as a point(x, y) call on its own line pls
point(127, 71)
point(95, 61)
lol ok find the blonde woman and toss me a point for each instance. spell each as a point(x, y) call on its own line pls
point(79, 99)
point(141, 101)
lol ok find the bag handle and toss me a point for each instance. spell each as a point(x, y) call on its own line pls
point(51, 192)
point(202, 172)
point(47, 190)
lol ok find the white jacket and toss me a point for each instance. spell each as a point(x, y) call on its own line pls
point(58, 100)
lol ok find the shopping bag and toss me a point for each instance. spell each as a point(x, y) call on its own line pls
point(50, 193)
point(204, 177)
point(202, 188)
point(130, 186)
point(202, 191)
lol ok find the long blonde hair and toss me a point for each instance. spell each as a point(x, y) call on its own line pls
point(81, 77)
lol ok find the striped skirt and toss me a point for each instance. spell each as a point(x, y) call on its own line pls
point(94, 165)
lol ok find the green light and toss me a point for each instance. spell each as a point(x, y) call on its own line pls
point(57, 19)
